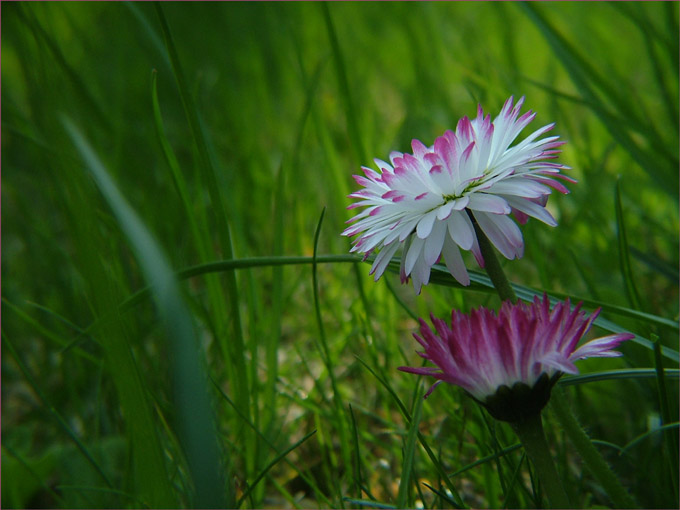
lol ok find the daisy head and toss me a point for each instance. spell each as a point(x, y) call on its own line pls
point(509, 361)
point(426, 202)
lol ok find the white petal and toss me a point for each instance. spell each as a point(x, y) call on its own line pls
point(425, 224)
point(454, 262)
point(421, 272)
point(434, 242)
point(521, 187)
point(383, 259)
point(532, 209)
point(488, 203)
point(444, 211)
point(502, 232)
point(413, 252)
point(461, 229)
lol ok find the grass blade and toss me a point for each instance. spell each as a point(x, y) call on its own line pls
point(624, 256)
point(341, 71)
point(195, 421)
point(409, 453)
point(605, 375)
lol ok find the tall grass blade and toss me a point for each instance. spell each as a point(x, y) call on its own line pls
point(409, 453)
point(343, 83)
point(357, 471)
point(170, 158)
point(624, 255)
point(194, 414)
point(339, 414)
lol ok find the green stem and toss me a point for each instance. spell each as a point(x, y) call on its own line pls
point(588, 453)
point(530, 432)
point(493, 266)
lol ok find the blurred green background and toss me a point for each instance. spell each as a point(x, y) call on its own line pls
point(279, 105)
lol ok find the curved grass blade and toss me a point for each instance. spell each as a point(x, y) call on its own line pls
point(642, 437)
point(444, 497)
point(195, 421)
point(177, 176)
point(440, 276)
point(607, 375)
point(662, 267)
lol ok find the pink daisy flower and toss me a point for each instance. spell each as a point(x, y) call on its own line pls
point(510, 361)
point(424, 202)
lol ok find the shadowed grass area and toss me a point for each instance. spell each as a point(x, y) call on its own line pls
point(227, 128)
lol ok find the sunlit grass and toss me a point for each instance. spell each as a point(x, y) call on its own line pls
point(228, 166)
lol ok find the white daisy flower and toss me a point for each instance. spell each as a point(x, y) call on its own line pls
point(424, 202)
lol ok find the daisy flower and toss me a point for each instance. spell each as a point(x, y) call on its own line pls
point(510, 361)
point(425, 202)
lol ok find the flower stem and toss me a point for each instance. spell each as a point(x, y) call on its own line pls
point(588, 453)
point(530, 432)
point(493, 266)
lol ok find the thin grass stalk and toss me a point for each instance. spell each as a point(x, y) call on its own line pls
point(340, 419)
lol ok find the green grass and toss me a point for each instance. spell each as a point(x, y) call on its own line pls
point(216, 142)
